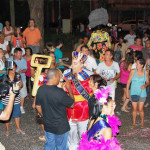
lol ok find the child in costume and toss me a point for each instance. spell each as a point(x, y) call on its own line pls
point(103, 125)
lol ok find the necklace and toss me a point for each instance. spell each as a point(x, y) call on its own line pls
point(104, 117)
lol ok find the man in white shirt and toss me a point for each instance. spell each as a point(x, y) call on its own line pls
point(90, 62)
point(130, 38)
point(109, 70)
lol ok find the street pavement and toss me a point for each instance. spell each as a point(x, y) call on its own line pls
point(130, 138)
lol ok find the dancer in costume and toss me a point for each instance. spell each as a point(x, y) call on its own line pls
point(78, 88)
point(103, 125)
point(99, 41)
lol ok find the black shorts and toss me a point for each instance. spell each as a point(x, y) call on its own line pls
point(123, 85)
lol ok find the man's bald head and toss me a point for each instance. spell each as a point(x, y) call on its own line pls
point(52, 73)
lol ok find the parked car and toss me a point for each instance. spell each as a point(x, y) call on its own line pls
point(129, 24)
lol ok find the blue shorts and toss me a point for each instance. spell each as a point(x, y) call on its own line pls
point(16, 112)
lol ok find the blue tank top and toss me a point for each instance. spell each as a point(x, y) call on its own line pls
point(137, 82)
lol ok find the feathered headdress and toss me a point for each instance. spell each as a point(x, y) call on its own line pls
point(102, 95)
point(78, 56)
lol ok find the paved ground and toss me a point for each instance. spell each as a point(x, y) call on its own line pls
point(131, 139)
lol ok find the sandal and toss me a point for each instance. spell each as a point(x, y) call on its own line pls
point(7, 133)
point(20, 132)
point(123, 109)
point(42, 138)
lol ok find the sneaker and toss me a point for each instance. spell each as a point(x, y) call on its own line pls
point(22, 110)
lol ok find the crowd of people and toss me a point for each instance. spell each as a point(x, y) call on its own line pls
point(76, 103)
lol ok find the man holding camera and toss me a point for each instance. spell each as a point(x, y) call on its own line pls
point(5, 115)
point(21, 68)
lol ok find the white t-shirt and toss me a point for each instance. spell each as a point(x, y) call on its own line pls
point(130, 39)
point(90, 63)
point(108, 72)
point(2, 65)
point(144, 40)
point(4, 47)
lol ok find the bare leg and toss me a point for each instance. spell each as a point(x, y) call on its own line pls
point(18, 130)
point(17, 121)
point(42, 138)
point(7, 128)
point(141, 111)
point(124, 95)
point(134, 112)
point(22, 101)
point(42, 126)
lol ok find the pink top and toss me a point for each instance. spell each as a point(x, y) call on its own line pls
point(136, 48)
point(124, 74)
point(28, 73)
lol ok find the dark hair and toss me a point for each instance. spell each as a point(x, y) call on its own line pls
point(119, 45)
point(98, 79)
point(96, 54)
point(15, 31)
point(85, 37)
point(49, 44)
point(111, 52)
point(128, 60)
point(49, 52)
point(33, 21)
point(17, 50)
point(131, 50)
point(136, 38)
point(138, 55)
point(29, 49)
point(84, 46)
point(97, 110)
point(14, 64)
point(142, 62)
point(59, 42)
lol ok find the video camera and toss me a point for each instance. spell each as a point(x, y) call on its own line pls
point(5, 84)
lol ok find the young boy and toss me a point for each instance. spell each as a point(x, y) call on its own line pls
point(118, 53)
point(59, 55)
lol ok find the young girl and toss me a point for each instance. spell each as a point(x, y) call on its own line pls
point(17, 40)
point(16, 113)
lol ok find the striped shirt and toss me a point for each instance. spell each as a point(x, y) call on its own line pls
point(17, 100)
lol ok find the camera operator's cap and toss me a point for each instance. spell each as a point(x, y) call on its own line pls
point(98, 17)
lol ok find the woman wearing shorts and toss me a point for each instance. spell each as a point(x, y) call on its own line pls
point(139, 80)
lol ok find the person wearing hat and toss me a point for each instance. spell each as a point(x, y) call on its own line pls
point(78, 88)
point(99, 41)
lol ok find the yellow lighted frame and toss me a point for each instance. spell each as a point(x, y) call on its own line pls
point(39, 70)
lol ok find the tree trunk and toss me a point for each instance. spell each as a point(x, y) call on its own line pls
point(12, 13)
point(37, 13)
